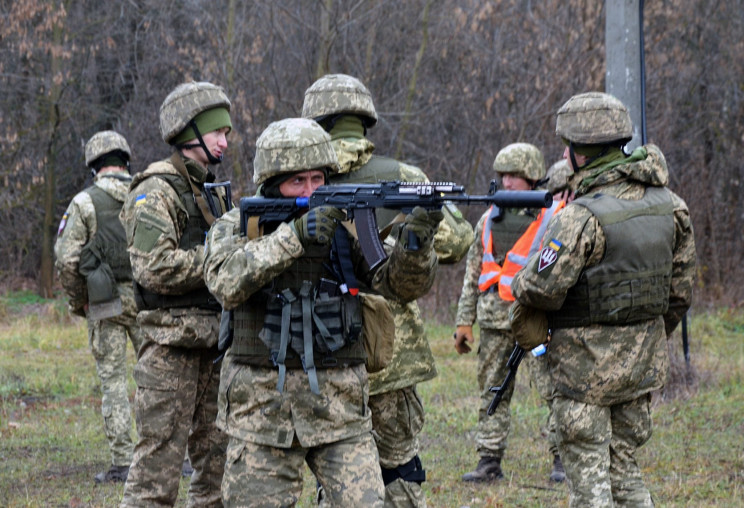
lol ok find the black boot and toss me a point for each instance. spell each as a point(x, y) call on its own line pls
point(487, 470)
point(114, 474)
point(558, 474)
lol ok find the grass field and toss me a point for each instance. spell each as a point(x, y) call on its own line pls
point(51, 439)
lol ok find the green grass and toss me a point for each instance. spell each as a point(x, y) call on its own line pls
point(51, 439)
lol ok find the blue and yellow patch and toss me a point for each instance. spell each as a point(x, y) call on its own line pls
point(549, 255)
point(140, 200)
point(62, 224)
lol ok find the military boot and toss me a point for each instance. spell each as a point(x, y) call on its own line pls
point(114, 474)
point(558, 474)
point(487, 470)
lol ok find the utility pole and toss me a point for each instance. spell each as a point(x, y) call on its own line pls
point(624, 76)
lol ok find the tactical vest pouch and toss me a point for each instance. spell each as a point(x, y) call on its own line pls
point(103, 295)
point(378, 332)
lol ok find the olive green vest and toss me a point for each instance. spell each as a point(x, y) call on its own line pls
point(194, 234)
point(109, 243)
point(632, 281)
point(300, 320)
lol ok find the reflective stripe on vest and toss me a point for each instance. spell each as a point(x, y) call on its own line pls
point(526, 246)
point(529, 243)
point(490, 269)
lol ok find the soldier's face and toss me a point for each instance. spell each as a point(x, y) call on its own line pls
point(513, 182)
point(216, 142)
point(302, 184)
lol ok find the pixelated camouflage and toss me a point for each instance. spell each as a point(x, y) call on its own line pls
point(185, 102)
point(636, 352)
point(338, 93)
point(496, 343)
point(291, 145)
point(594, 118)
point(520, 159)
point(105, 142)
point(258, 475)
point(107, 338)
point(558, 176)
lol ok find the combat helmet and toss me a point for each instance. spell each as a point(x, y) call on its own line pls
point(520, 159)
point(185, 102)
point(292, 145)
point(594, 118)
point(103, 143)
point(558, 175)
point(336, 94)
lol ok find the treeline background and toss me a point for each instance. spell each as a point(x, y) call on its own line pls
point(453, 81)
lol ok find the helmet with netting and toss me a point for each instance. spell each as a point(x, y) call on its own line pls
point(185, 102)
point(520, 159)
point(558, 176)
point(336, 94)
point(594, 118)
point(292, 145)
point(103, 143)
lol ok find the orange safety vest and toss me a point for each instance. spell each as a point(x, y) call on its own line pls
point(528, 244)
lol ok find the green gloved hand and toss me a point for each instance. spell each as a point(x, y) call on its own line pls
point(419, 228)
point(318, 225)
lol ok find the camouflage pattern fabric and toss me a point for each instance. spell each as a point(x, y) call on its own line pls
point(397, 420)
point(175, 405)
point(105, 142)
point(177, 382)
point(107, 338)
point(624, 362)
point(279, 151)
point(234, 269)
point(591, 435)
point(593, 118)
point(413, 361)
point(338, 93)
point(521, 159)
point(495, 346)
point(185, 102)
point(264, 476)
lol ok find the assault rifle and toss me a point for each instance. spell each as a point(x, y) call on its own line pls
point(361, 200)
point(512, 364)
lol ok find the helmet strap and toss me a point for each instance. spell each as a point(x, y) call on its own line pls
point(211, 158)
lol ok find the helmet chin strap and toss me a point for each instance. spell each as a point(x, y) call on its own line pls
point(211, 158)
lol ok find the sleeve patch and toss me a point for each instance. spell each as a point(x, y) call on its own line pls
point(549, 255)
point(140, 200)
point(62, 224)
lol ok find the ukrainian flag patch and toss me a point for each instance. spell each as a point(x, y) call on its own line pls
point(549, 255)
point(62, 224)
point(140, 200)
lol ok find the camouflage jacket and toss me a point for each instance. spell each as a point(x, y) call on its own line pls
point(77, 227)
point(154, 219)
point(412, 361)
point(250, 407)
point(604, 364)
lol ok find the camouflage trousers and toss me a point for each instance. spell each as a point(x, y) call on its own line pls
point(397, 420)
point(598, 445)
point(176, 408)
point(108, 342)
point(494, 350)
point(260, 476)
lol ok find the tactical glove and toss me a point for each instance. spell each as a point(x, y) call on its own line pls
point(529, 325)
point(318, 225)
point(419, 228)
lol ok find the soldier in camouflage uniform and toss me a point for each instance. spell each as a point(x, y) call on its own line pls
point(294, 385)
point(93, 266)
point(614, 278)
point(344, 107)
point(519, 166)
point(166, 219)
